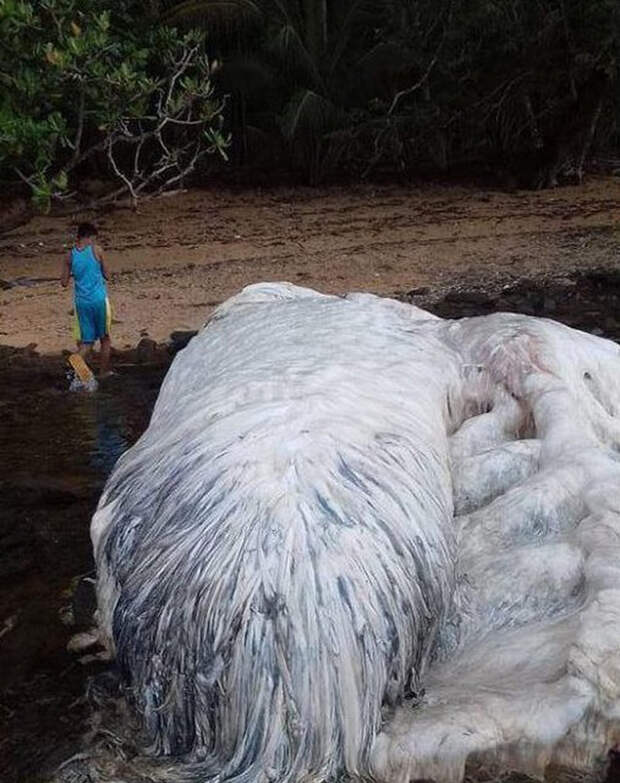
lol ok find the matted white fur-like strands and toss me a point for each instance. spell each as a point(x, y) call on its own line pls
point(357, 538)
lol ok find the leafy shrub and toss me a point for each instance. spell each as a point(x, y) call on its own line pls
point(78, 81)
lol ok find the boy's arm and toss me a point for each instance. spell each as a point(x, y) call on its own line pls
point(66, 271)
point(101, 258)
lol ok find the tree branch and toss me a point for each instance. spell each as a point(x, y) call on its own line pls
point(422, 80)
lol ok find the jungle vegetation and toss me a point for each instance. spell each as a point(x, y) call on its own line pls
point(152, 93)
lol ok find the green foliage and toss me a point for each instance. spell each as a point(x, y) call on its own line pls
point(77, 80)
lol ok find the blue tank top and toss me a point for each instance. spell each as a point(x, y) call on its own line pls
point(87, 275)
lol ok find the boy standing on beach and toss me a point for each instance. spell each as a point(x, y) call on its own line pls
point(86, 263)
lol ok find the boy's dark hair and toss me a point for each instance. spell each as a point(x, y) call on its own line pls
point(85, 230)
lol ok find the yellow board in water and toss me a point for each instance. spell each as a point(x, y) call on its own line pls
point(81, 369)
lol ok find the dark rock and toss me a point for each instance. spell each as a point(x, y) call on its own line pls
point(180, 339)
point(26, 350)
point(84, 601)
point(613, 767)
point(419, 291)
point(146, 350)
point(6, 351)
point(560, 289)
point(469, 297)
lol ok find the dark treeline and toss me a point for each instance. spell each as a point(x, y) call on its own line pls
point(524, 90)
point(525, 87)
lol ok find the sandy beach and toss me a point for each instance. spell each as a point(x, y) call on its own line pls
point(178, 256)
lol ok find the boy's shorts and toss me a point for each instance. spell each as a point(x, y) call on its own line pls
point(92, 321)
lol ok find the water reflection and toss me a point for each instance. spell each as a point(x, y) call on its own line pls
point(101, 430)
point(110, 440)
point(47, 432)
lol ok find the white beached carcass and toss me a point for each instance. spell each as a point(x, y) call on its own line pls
point(357, 538)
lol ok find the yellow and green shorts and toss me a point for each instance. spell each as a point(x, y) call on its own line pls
point(92, 320)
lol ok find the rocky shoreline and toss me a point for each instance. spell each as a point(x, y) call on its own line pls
point(586, 300)
point(145, 352)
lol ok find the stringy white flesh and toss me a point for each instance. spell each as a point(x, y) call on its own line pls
point(356, 537)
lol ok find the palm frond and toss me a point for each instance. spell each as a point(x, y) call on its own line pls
point(390, 56)
point(308, 114)
point(345, 24)
point(289, 47)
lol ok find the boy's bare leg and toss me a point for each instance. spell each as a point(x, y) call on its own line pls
point(84, 349)
point(104, 363)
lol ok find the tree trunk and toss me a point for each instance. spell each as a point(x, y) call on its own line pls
point(588, 139)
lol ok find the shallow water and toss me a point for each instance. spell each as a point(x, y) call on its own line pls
point(64, 434)
point(56, 450)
